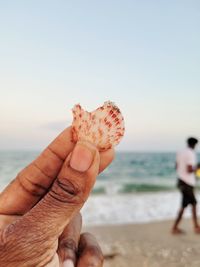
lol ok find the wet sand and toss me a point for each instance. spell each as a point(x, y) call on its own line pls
point(148, 245)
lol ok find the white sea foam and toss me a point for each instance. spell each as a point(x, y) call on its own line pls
point(132, 208)
point(129, 173)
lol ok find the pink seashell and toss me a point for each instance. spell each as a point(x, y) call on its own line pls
point(104, 127)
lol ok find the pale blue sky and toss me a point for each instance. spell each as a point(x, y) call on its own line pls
point(143, 55)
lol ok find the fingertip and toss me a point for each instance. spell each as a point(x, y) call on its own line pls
point(106, 158)
point(83, 156)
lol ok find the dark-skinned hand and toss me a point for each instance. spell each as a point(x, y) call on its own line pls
point(40, 223)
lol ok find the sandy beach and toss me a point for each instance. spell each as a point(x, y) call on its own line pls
point(148, 245)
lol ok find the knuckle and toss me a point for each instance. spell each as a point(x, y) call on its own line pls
point(66, 191)
point(68, 244)
point(67, 249)
point(30, 187)
point(47, 162)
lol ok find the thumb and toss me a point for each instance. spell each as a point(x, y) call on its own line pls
point(67, 195)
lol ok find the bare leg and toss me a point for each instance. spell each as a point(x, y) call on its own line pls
point(194, 217)
point(175, 229)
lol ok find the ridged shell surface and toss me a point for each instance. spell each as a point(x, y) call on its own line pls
point(103, 127)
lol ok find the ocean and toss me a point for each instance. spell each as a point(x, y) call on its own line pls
point(136, 187)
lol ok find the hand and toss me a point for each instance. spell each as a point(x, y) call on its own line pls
point(39, 224)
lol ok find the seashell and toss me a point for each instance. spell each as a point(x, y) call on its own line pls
point(103, 127)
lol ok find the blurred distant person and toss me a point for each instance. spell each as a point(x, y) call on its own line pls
point(186, 165)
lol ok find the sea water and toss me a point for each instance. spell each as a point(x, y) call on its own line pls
point(136, 187)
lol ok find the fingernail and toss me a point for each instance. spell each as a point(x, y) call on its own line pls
point(82, 156)
point(68, 263)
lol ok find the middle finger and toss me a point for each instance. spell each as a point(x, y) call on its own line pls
point(68, 242)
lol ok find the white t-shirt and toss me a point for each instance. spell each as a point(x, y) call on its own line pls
point(183, 159)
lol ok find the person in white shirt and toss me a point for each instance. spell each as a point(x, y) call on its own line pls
point(186, 165)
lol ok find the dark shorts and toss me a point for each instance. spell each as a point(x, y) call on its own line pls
point(187, 191)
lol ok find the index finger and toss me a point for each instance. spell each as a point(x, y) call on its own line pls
point(33, 182)
point(69, 239)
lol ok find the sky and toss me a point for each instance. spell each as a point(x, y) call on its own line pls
point(143, 55)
